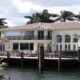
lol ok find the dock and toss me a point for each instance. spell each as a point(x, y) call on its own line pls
point(58, 57)
point(47, 56)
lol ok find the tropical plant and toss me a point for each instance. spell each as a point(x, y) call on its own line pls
point(44, 16)
point(78, 16)
point(66, 15)
point(2, 22)
point(2, 65)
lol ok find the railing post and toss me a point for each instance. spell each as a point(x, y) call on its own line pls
point(8, 58)
point(59, 61)
point(41, 59)
point(22, 57)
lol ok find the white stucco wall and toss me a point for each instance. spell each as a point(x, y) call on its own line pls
point(70, 32)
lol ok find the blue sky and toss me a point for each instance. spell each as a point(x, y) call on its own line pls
point(15, 10)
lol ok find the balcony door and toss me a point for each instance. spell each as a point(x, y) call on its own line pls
point(40, 34)
point(2, 47)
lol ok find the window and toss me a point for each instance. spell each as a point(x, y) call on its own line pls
point(74, 47)
point(67, 38)
point(2, 47)
point(31, 46)
point(68, 47)
point(29, 33)
point(75, 40)
point(15, 46)
point(65, 47)
point(59, 38)
point(56, 47)
point(49, 35)
point(24, 46)
point(60, 47)
point(40, 34)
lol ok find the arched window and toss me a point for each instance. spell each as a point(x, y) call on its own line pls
point(67, 38)
point(75, 39)
point(59, 38)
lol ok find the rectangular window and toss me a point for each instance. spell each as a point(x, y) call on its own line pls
point(60, 47)
point(2, 47)
point(56, 47)
point(29, 35)
point(49, 35)
point(65, 47)
point(24, 46)
point(40, 34)
point(15, 46)
point(69, 47)
point(74, 47)
point(31, 46)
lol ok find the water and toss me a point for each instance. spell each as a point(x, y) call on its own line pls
point(32, 74)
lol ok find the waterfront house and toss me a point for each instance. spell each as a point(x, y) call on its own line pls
point(58, 36)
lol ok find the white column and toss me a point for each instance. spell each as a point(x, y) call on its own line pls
point(53, 41)
point(63, 42)
point(10, 46)
point(45, 46)
point(2, 34)
point(35, 34)
point(35, 46)
point(71, 42)
point(18, 46)
point(45, 34)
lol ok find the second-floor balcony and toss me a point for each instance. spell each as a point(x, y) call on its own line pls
point(27, 38)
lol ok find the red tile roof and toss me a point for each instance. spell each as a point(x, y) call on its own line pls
point(54, 26)
point(66, 25)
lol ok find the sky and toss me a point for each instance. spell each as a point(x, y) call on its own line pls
point(15, 10)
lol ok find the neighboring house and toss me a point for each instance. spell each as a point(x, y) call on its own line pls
point(61, 36)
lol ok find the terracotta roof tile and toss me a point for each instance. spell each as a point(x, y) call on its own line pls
point(54, 26)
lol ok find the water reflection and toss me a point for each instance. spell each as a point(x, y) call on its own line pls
point(32, 74)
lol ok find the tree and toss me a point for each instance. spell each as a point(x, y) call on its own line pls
point(66, 15)
point(2, 23)
point(44, 16)
point(78, 16)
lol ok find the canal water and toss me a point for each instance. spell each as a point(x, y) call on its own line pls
point(17, 73)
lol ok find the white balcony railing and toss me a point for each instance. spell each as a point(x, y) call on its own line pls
point(26, 38)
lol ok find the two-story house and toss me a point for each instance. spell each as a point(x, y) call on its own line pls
point(59, 36)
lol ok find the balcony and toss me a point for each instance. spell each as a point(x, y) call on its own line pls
point(26, 38)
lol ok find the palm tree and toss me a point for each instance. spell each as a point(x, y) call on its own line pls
point(2, 23)
point(41, 17)
point(66, 15)
point(78, 16)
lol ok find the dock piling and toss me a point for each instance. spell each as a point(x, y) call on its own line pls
point(22, 59)
point(59, 61)
point(8, 57)
point(41, 59)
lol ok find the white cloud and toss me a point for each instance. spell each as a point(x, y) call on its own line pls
point(55, 3)
point(15, 10)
